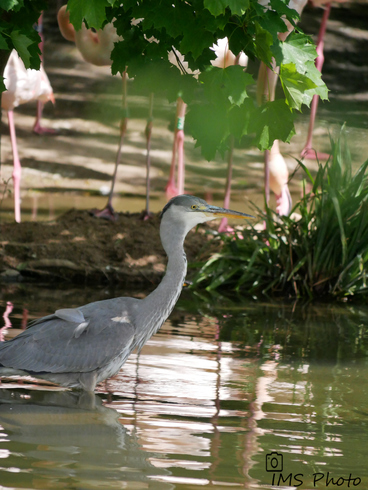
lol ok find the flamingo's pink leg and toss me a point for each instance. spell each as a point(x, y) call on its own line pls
point(178, 152)
point(108, 211)
point(146, 212)
point(8, 310)
point(17, 169)
point(37, 127)
point(7, 322)
point(224, 222)
point(171, 189)
point(308, 152)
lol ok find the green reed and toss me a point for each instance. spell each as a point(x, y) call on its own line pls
point(321, 250)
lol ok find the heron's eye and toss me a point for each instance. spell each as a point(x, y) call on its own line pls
point(194, 206)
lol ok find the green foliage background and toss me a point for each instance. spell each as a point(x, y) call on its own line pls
point(221, 102)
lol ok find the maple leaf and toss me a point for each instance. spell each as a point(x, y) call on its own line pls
point(296, 49)
point(93, 11)
point(22, 43)
point(227, 83)
point(218, 7)
point(273, 120)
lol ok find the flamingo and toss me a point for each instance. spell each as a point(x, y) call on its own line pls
point(276, 172)
point(22, 86)
point(95, 47)
point(224, 58)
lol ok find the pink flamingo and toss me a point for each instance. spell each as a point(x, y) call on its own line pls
point(276, 172)
point(95, 47)
point(308, 151)
point(224, 58)
point(22, 86)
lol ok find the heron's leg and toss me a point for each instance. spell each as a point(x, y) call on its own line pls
point(88, 380)
point(146, 212)
point(308, 151)
point(17, 169)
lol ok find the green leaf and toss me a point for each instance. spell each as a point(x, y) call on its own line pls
point(2, 85)
point(315, 75)
point(297, 50)
point(226, 84)
point(22, 43)
point(10, 4)
point(3, 41)
point(218, 7)
point(283, 9)
point(240, 117)
point(263, 41)
point(273, 23)
point(93, 11)
point(273, 120)
point(209, 126)
point(297, 87)
point(195, 40)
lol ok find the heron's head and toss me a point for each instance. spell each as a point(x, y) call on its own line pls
point(184, 212)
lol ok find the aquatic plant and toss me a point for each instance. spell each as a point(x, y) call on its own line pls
point(322, 250)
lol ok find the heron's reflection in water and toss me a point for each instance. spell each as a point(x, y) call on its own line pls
point(69, 440)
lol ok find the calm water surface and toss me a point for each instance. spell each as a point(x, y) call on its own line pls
point(248, 396)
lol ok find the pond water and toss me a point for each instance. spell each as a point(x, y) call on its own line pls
point(245, 395)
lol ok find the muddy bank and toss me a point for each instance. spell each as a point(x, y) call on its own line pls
point(79, 248)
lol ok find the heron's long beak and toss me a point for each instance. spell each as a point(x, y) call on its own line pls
point(215, 211)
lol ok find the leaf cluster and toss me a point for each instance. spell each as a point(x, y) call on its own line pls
point(221, 102)
point(17, 30)
point(322, 252)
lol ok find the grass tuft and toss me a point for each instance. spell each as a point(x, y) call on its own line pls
point(323, 251)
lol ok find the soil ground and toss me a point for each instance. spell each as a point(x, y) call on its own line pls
point(73, 168)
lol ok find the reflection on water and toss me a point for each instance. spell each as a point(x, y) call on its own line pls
point(217, 399)
point(60, 440)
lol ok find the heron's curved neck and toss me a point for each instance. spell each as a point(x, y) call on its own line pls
point(157, 306)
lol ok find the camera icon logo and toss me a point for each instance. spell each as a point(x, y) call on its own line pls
point(274, 462)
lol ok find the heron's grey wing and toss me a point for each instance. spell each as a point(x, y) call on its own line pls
point(69, 341)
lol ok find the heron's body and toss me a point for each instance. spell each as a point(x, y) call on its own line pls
point(79, 347)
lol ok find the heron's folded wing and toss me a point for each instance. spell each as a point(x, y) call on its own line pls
point(57, 345)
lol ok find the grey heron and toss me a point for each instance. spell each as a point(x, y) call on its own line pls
point(79, 347)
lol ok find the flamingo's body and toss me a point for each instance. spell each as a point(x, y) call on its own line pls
point(94, 46)
point(22, 86)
